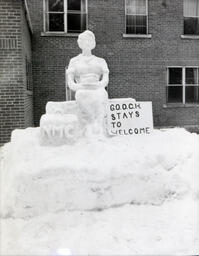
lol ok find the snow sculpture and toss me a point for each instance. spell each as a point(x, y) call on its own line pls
point(65, 129)
point(87, 76)
point(60, 123)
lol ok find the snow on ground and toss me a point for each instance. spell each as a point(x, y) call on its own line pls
point(129, 230)
point(117, 196)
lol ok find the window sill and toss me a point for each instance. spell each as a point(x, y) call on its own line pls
point(54, 34)
point(190, 37)
point(180, 105)
point(137, 36)
point(30, 93)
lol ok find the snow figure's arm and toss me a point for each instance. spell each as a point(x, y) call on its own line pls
point(71, 82)
point(105, 77)
point(71, 77)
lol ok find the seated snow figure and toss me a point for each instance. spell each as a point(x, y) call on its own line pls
point(88, 76)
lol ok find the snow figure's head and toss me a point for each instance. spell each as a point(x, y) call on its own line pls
point(86, 40)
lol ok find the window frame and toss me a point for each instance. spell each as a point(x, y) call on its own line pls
point(147, 20)
point(65, 12)
point(184, 85)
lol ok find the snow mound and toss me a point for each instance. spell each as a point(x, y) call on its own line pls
point(94, 175)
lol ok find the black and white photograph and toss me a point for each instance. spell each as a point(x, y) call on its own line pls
point(99, 127)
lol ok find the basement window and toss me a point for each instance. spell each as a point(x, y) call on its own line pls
point(183, 85)
point(191, 17)
point(65, 16)
point(136, 13)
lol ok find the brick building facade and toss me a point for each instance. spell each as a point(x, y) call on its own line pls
point(155, 59)
point(138, 64)
point(16, 108)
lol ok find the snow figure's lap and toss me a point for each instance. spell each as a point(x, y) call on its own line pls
point(91, 109)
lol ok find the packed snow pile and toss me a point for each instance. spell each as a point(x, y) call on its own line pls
point(97, 174)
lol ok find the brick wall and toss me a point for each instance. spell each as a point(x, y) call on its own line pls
point(12, 92)
point(137, 66)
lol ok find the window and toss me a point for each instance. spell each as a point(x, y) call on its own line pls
point(136, 16)
point(183, 85)
point(191, 17)
point(69, 16)
point(192, 85)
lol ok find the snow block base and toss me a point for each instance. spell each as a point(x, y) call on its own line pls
point(90, 175)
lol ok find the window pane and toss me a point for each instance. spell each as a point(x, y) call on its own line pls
point(191, 76)
point(131, 30)
point(76, 22)
point(191, 26)
point(175, 75)
point(191, 8)
point(174, 94)
point(74, 5)
point(192, 94)
point(55, 5)
point(130, 20)
point(141, 30)
point(136, 24)
point(56, 22)
point(136, 7)
point(141, 21)
point(77, 5)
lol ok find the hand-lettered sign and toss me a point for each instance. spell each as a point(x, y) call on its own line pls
point(129, 117)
